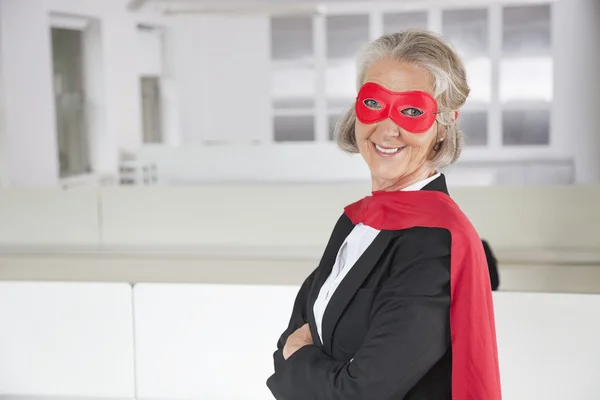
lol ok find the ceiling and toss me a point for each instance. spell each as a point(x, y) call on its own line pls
point(241, 6)
point(214, 3)
point(278, 6)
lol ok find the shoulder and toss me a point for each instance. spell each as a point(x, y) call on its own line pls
point(424, 239)
point(419, 261)
point(419, 245)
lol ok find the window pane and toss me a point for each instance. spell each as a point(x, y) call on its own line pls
point(333, 120)
point(293, 87)
point(526, 29)
point(291, 38)
point(475, 127)
point(526, 79)
point(346, 34)
point(467, 31)
point(71, 122)
point(526, 127)
point(294, 103)
point(401, 21)
point(340, 83)
point(479, 77)
point(151, 110)
point(294, 128)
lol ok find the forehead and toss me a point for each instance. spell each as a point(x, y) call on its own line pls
point(399, 76)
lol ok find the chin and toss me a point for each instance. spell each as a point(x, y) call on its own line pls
point(386, 176)
point(387, 172)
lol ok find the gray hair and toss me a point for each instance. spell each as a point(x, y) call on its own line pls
point(432, 53)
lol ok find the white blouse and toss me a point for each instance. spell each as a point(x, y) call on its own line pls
point(355, 244)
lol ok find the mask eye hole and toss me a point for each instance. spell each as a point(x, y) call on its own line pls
point(412, 112)
point(372, 104)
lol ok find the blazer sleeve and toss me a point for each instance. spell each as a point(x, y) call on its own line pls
point(298, 318)
point(492, 265)
point(409, 332)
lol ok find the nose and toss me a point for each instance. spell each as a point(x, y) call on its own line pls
point(387, 129)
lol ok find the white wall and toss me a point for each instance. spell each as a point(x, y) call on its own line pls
point(28, 90)
point(151, 51)
point(577, 83)
point(221, 67)
point(3, 143)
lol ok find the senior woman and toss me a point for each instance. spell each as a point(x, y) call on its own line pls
point(400, 306)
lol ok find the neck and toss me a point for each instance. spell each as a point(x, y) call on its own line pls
point(402, 182)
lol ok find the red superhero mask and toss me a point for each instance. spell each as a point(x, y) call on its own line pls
point(375, 103)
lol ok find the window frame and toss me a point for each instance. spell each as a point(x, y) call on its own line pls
point(494, 150)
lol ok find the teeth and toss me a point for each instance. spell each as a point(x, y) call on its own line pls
point(387, 151)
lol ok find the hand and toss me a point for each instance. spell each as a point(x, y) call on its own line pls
point(300, 338)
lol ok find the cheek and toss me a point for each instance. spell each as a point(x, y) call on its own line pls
point(362, 132)
point(422, 141)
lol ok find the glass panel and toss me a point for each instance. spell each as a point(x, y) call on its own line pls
point(346, 34)
point(333, 120)
point(340, 80)
point(401, 21)
point(71, 123)
point(294, 103)
point(479, 77)
point(475, 127)
point(526, 127)
point(151, 110)
point(526, 29)
point(526, 79)
point(293, 87)
point(467, 31)
point(291, 38)
point(296, 128)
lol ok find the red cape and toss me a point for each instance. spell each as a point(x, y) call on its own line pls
point(475, 372)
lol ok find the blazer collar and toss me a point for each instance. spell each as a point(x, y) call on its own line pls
point(341, 230)
point(438, 184)
point(350, 285)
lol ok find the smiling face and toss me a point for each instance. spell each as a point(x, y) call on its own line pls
point(396, 156)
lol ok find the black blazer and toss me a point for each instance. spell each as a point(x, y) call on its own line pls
point(492, 265)
point(386, 329)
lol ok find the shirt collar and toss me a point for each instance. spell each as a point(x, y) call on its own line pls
point(421, 184)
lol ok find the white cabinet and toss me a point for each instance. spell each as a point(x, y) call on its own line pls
point(66, 340)
point(208, 341)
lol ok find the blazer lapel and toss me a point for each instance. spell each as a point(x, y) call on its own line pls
point(351, 283)
point(341, 230)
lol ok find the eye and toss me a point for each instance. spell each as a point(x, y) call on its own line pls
point(412, 112)
point(372, 104)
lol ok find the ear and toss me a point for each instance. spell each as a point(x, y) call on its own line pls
point(443, 132)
